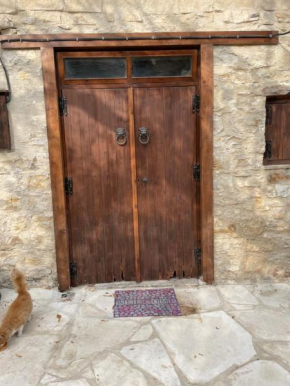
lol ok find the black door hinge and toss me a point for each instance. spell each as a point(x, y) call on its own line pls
point(62, 106)
point(268, 150)
point(196, 172)
point(68, 186)
point(268, 115)
point(73, 270)
point(195, 103)
point(197, 252)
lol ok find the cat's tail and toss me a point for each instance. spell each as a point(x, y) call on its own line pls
point(19, 281)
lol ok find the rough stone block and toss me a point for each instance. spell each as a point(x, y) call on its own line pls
point(283, 17)
point(250, 227)
point(5, 22)
point(7, 6)
point(277, 5)
point(282, 58)
point(41, 21)
point(283, 190)
point(238, 17)
point(267, 18)
point(40, 5)
point(278, 176)
point(97, 21)
point(83, 6)
point(161, 7)
point(125, 11)
point(223, 5)
point(195, 6)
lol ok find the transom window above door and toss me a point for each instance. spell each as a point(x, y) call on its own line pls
point(161, 66)
point(127, 67)
point(95, 68)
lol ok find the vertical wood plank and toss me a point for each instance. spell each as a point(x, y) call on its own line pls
point(98, 205)
point(274, 131)
point(175, 187)
point(156, 176)
point(56, 167)
point(134, 184)
point(206, 160)
point(169, 266)
point(286, 131)
point(73, 160)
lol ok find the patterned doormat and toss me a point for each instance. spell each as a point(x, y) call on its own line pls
point(151, 302)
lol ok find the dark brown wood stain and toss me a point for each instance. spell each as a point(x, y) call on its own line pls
point(277, 129)
point(167, 228)
point(101, 214)
point(5, 140)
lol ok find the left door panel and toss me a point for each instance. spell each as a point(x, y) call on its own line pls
point(100, 209)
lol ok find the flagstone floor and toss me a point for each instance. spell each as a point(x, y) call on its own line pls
point(236, 335)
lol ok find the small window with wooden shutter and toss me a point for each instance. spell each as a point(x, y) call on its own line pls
point(277, 135)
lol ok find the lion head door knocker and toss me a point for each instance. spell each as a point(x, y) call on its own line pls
point(144, 135)
point(121, 136)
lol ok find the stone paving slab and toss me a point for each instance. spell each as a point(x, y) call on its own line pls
point(274, 295)
point(207, 346)
point(152, 357)
point(239, 296)
point(114, 371)
point(259, 373)
point(230, 335)
point(266, 324)
point(279, 349)
point(143, 334)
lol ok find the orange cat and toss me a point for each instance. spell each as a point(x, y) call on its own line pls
point(19, 311)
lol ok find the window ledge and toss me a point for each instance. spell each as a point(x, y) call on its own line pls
point(275, 167)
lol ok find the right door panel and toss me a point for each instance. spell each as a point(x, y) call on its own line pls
point(167, 194)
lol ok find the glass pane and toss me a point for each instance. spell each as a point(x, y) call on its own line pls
point(145, 66)
point(94, 68)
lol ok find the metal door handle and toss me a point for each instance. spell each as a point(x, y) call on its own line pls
point(121, 136)
point(144, 135)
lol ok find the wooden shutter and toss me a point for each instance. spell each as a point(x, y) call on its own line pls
point(277, 135)
point(5, 142)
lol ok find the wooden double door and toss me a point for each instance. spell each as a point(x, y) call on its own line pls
point(131, 195)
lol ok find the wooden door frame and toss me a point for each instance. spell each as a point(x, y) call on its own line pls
point(56, 161)
point(55, 146)
point(206, 162)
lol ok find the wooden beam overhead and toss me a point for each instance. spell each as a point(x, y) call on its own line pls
point(180, 39)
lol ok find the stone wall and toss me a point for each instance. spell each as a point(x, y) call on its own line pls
point(252, 203)
point(26, 227)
